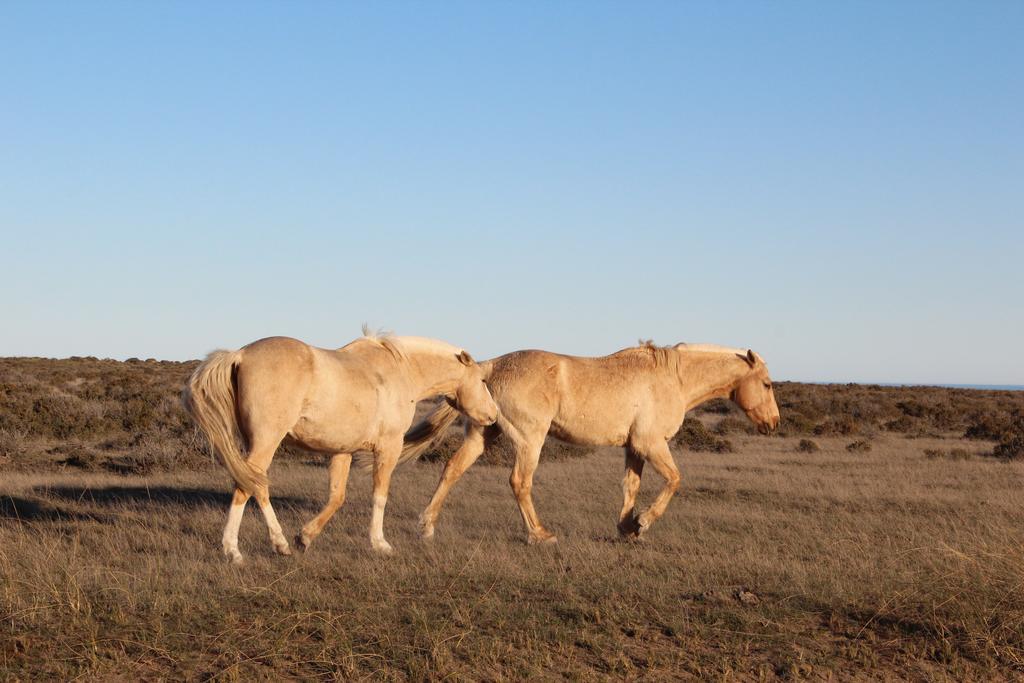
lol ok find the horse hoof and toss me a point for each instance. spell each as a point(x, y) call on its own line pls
point(383, 548)
point(302, 543)
point(546, 538)
point(283, 550)
point(629, 529)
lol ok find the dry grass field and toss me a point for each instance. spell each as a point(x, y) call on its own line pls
point(899, 558)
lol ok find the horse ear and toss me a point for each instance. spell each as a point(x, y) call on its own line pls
point(749, 358)
point(465, 358)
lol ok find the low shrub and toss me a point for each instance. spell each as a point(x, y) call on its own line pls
point(858, 447)
point(730, 424)
point(696, 437)
point(951, 454)
point(988, 427)
point(807, 446)
point(843, 425)
point(1011, 446)
point(795, 423)
point(716, 406)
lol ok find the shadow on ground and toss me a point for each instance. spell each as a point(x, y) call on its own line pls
point(28, 510)
point(162, 496)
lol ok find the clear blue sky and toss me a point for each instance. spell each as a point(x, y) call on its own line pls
point(838, 185)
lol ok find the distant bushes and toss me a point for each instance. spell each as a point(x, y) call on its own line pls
point(858, 447)
point(88, 413)
point(854, 409)
point(109, 415)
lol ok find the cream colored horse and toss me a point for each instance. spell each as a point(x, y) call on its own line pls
point(635, 398)
point(361, 397)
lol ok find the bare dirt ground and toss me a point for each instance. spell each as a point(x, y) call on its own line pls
point(885, 564)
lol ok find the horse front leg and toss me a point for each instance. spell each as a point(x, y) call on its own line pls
point(521, 480)
point(384, 464)
point(660, 458)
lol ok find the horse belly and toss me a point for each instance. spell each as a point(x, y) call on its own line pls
point(592, 425)
point(338, 417)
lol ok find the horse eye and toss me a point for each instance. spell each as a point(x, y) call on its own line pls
point(767, 385)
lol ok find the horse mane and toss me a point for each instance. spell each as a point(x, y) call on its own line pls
point(383, 339)
point(715, 348)
point(647, 351)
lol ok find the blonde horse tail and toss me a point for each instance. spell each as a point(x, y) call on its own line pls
point(209, 398)
point(424, 435)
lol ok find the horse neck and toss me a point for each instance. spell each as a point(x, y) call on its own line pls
point(434, 373)
point(710, 375)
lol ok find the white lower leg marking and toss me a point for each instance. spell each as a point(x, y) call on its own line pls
point(230, 540)
point(276, 534)
point(377, 525)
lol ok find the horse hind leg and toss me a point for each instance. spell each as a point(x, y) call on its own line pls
point(260, 460)
point(472, 446)
point(230, 538)
point(264, 444)
point(628, 525)
point(338, 475)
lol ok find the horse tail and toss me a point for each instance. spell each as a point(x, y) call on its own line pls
point(429, 431)
point(417, 440)
point(209, 398)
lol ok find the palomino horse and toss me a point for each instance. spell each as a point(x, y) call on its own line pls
point(635, 398)
point(359, 397)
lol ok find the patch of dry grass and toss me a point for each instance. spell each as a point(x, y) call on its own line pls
point(885, 563)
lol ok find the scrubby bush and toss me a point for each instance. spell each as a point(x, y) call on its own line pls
point(696, 437)
point(988, 427)
point(717, 406)
point(807, 446)
point(795, 424)
point(842, 425)
point(1011, 445)
point(730, 424)
point(858, 447)
point(951, 454)
point(903, 423)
